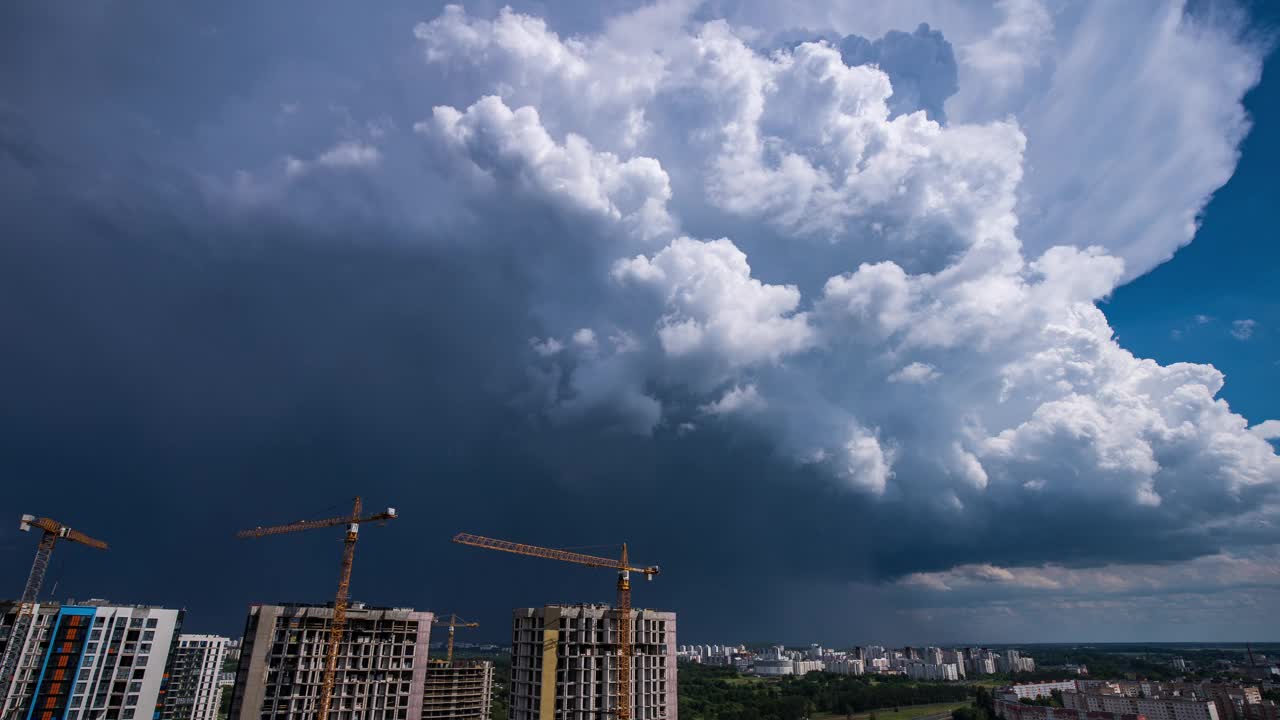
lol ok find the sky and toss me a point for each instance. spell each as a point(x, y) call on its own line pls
point(886, 322)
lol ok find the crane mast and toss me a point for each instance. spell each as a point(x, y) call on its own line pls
point(454, 622)
point(342, 598)
point(624, 569)
point(52, 532)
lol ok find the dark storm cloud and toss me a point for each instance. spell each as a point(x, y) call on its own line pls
point(200, 336)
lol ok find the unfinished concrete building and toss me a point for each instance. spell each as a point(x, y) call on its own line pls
point(564, 663)
point(382, 663)
point(460, 690)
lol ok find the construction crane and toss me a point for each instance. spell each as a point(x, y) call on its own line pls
point(353, 522)
point(621, 565)
point(53, 532)
point(454, 622)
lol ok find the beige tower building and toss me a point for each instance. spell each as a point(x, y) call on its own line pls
point(382, 663)
point(564, 663)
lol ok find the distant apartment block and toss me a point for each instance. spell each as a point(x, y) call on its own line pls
point(1163, 708)
point(1035, 690)
point(382, 663)
point(1009, 710)
point(848, 666)
point(1235, 702)
point(461, 690)
point(932, 671)
point(194, 690)
point(91, 661)
point(564, 663)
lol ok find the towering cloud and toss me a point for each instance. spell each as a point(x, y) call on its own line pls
point(935, 361)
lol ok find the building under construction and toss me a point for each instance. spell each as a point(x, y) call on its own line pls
point(564, 663)
point(381, 669)
point(458, 690)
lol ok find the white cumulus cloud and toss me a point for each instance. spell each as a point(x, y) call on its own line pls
point(893, 254)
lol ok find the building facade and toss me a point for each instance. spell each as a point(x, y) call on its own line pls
point(1035, 690)
point(194, 690)
point(1164, 708)
point(90, 661)
point(1008, 710)
point(564, 663)
point(381, 672)
point(461, 690)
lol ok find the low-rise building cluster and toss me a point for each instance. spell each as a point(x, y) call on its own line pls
point(929, 663)
point(1134, 700)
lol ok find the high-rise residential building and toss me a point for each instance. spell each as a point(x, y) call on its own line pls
point(90, 661)
point(194, 691)
point(460, 690)
point(564, 663)
point(381, 672)
point(848, 666)
point(227, 677)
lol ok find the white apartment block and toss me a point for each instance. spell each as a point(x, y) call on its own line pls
point(381, 673)
point(847, 666)
point(91, 661)
point(194, 688)
point(564, 663)
point(1035, 690)
point(1153, 708)
point(932, 671)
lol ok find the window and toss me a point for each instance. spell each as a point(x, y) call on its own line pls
point(152, 622)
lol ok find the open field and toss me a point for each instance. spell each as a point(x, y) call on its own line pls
point(907, 712)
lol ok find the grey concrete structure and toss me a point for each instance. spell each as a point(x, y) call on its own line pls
point(461, 690)
point(382, 663)
point(564, 663)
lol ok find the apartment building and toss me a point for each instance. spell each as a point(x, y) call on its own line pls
point(1161, 708)
point(564, 663)
point(1010, 710)
point(93, 660)
point(381, 672)
point(194, 690)
point(1034, 690)
point(460, 690)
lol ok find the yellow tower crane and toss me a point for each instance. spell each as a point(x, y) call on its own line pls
point(624, 569)
point(454, 622)
point(353, 523)
point(53, 532)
